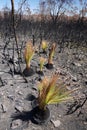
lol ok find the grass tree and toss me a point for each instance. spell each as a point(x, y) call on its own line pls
point(28, 55)
point(50, 92)
point(51, 55)
point(44, 45)
point(42, 61)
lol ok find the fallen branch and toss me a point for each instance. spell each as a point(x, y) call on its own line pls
point(77, 105)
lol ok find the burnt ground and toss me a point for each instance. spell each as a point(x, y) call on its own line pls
point(16, 95)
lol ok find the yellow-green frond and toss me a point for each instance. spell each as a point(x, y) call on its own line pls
point(51, 92)
point(42, 61)
point(29, 52)
point(44, 45)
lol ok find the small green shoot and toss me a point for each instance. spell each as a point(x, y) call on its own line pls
point(42, 61)
point(44, 45)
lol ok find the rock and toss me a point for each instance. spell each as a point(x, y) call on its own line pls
point(20, 93)
point(85, 82)
point(19, 108)
point(60, 116)
point(10, 82)
point(56, 123)
point(85, 123)
point(74, 79)
point(1, 72)
point(1, 82)
point(35, 128)
point(4, 108)
point(11, 97)
point(77, 64)
point(16, 123)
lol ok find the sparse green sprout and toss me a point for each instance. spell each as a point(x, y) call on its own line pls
point(28, 54)
point(51, 53)
point(42, 61)
point(44, 45)
point(51, 93)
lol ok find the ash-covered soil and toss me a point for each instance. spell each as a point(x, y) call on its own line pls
point(16, 96)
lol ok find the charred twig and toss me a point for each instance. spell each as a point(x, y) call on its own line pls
point(6, 45)
point(2, 84)
point(20, 50)
point(14, 31)
point(20, 8)
point(74, 107)
point(6, 59)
